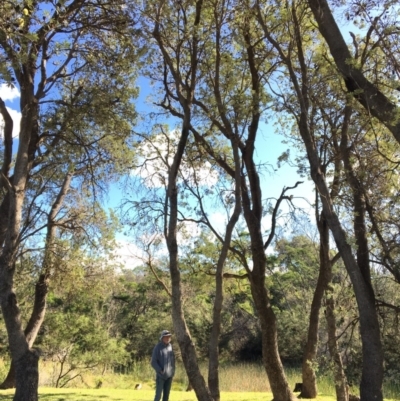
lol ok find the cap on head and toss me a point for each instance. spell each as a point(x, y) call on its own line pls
point(165, 333)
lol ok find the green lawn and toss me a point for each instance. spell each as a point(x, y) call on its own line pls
point(71, 394)
point(55, 394)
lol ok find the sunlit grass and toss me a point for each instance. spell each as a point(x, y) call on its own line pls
point(52, 394)
point(238, 382)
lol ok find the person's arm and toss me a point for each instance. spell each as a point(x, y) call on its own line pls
point(154, 360)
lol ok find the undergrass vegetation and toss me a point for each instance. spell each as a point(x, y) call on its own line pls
point(238, 382)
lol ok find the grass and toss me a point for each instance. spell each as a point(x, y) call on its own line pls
point(53, 394)
point(238, 382)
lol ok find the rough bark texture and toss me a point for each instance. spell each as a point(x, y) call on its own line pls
point(338, 371)
point(252, 209)
point(213, 373)
point(186, 345)
point(339, 375)
point(27, 377)
point(309, 387)
point(372, 373)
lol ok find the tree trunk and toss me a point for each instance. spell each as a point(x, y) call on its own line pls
point(372, 373)
point(4, 208)
point(213, 373)
point(309, 387)
point(271, 359)
point(41, 287)
point(186, 345)
point(33, 326)
point(27, 377)
point(339, 375)
point(25, 360)
point(361, 236)
point(368, 94)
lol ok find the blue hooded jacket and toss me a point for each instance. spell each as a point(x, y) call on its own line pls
point(163, 360)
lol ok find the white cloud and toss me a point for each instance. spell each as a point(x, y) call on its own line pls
point(158, 152)
point(9, 93)
point(128, 254)
point(16, 117)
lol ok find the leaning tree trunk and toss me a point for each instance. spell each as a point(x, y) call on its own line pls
point(372, 372)
point(339, 375)
point(33, 326)
point(375, 373)
point(368, 94)
point(41, 287)
point(270, 353)
point(252, 209)
point(25, 360)
point(186, 345)
point(309, 387)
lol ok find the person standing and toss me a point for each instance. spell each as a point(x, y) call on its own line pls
point(163, 362)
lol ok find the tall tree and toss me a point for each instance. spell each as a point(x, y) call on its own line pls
point(32, 36)
point(179, 69)
point(371, 383)
point(382, 33)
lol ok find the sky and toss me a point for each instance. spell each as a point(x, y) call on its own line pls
point(269, 147)
point(10, 97)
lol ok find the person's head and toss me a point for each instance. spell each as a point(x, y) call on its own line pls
point(165, 336)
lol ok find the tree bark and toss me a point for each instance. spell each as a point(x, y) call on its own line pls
point(186, 345)
point(362, 254)
point(8, 141)
point(184, 93)
point(213, 372)
point(252, 210)
point(338, 371)
point(339, 375)
point(27, 376)
point(309, 387)
point(25, 360)
point(41, 287)
point(372, 373)
point(32, 328)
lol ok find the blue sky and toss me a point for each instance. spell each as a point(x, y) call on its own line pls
point(269, 147)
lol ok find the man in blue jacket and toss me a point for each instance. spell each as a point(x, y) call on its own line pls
point(163, 362)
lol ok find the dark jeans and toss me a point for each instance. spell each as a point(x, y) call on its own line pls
point(162, 387)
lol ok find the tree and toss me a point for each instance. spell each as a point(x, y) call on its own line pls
point(370, 94)
point(179, 83)
point(300, 78)
point(29, 35)
point(77, 334)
